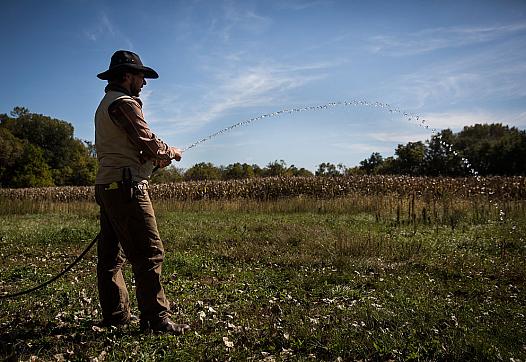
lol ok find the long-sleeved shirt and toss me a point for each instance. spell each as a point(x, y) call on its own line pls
point(123, 139)
point(127, 114)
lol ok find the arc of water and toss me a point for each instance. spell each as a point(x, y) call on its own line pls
point(420, 121)
point(304, 109)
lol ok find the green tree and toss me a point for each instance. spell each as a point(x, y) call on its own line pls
point(410, 158)
point(298, 172)
point(371, 164)
point(53, 136)
point(238, 171)
point(276, 168)
point(19, 112)
point(31, 169)
point(258, 171)
point(439, 159)
point(355, 171)
point(168, 175)
point(493, 149)
point(83, 166)
point(389, 166)
point(11, 150)
point(327, 169)
point(203, 171)
point(70, 161)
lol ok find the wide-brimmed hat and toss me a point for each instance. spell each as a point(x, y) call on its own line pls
point(123, 60)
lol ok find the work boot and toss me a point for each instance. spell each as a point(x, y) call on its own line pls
point(132, 319)
point(164, 325)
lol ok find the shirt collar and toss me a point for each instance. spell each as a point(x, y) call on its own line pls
point(118, 88)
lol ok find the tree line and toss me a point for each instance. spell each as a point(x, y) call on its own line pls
point(487, 149)
point(38, 150)
point(208, 171)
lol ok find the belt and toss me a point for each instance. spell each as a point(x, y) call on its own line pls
point(141, 185)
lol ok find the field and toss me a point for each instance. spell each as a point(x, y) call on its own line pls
point(371, 269)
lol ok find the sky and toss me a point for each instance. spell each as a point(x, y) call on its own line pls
point(452, 63)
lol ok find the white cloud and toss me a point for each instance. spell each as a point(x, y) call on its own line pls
point(102, 27)
point(235, 18)
point(261, 85)
point(429, 40)
point(362, 148)
point(439, 84)
point(298, 5)
point(400, 137)
point(457, 120)
point(105, 28)
point(492, 73)
point(519, 120)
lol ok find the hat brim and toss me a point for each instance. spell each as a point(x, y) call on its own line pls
point(147, 71)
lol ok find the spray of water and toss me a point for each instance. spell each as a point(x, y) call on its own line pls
point(411, 117)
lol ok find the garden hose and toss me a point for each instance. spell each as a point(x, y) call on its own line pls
point(68, 268)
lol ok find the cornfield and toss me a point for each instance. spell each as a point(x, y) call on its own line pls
point(398, 199)
point(272, 188)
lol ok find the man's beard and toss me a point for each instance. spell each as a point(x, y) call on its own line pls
point(135, 90)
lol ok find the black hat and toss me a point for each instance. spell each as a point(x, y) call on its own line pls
point(122, 60)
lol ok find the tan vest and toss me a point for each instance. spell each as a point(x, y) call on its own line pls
point(115, 151)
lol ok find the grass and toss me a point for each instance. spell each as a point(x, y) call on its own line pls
point(292, 279)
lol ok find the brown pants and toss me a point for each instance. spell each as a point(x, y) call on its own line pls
point(129, 231)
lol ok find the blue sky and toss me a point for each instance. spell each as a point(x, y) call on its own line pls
point(454, 63)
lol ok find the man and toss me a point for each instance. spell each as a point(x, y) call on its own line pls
point(127, 152)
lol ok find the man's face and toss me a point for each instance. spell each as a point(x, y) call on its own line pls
point(136, 83)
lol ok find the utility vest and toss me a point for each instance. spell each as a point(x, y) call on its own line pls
point(115, 151)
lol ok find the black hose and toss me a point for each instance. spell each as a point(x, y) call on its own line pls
point(68, 268)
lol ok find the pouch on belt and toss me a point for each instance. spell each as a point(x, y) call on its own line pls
point(127, 184)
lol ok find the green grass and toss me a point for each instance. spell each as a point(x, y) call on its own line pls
point(283, 283)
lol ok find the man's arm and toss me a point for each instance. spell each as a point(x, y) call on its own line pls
point(127, 114)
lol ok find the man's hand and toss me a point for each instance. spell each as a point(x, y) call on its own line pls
point(176, 153)
point(173, 152)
